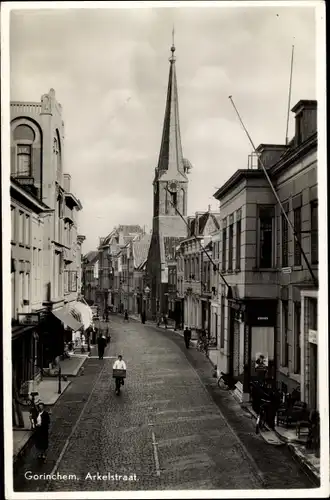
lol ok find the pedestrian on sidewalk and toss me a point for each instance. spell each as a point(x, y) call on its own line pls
point(165, 321)
point(108, 337)
point(42, 431)
point(126, 315)
point(187, 336)
point(101, 343)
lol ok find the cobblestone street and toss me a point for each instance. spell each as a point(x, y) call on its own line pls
point(170, 428)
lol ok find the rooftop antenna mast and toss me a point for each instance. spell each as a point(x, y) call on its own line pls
point(289, 100)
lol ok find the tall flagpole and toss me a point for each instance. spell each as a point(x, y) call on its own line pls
point(276, 196)
point(289, 100)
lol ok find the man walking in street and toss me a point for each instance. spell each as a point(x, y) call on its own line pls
point(101, 343)
point(42, 431)
point(187, 336)
point(126, 315)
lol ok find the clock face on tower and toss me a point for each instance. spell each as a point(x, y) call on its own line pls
point(172, 186)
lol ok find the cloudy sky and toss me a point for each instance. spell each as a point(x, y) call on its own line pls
point(109, 69)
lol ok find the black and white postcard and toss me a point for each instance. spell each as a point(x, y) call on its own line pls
point(164, 220)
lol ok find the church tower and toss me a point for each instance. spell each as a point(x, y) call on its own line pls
point(170, 200)
point(171, 181)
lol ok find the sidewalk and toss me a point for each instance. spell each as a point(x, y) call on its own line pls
point(282, 435)
point(48, 393)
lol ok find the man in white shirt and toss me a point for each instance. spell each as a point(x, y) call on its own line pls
point(119, 364)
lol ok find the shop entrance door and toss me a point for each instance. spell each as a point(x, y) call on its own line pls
point(313, 396)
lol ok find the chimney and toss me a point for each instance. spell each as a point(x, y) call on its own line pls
point(196, 224)
point(270, 154)
point(67, 182)
point(306, 120)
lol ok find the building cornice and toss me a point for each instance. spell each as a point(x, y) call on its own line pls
point(295, 155)
point(238, 176)
point(37, 205)
point(290, 157)
point(75, 200)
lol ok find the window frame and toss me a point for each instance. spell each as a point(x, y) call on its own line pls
point(297, 336)
point(222, 323)
point(27, 230)
point(271, 209)
point(230, 247)
point(297, 225)
point(224, 249)
point(13, 222)
point(28, 145)
point(73, 281)
point(314, 236)
point(238, 244)
point(21, 227)
point(284, 240)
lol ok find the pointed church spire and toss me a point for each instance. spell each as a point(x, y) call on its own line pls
point(170, 156)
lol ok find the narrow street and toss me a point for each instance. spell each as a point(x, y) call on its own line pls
point(170, 428)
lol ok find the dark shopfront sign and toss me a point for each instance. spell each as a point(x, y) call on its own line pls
point(261, 313)
point(28, 319)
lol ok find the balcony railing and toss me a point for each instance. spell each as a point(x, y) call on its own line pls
point(27, 184)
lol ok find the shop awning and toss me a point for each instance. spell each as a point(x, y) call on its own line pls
point(81, 312)
point(64, 315)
